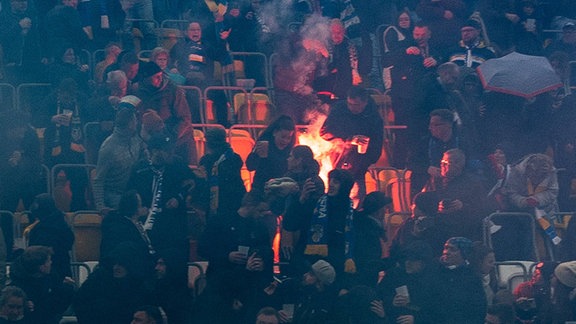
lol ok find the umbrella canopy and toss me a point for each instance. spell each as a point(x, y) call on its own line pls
point(518, 74)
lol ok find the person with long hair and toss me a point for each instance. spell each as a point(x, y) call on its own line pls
point(269, 156)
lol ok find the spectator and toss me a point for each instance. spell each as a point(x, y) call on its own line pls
point(533, 298)
point(63, 26)
point(66, 65)
point(50, 295)
point(51, 230)
point(236, 246)
point(63, 114)
point(408, 289)
point(119, 152)
point(462, 204)
point(444, 17)
point(269, 156)
point(147, 315)
point(532, 183)
point(222, 168)
point(142, 10)
point(317, 300)
point(331, 232)
point(464, 302)
point(20, 40)
point(163, 179)
point(161, 57)
point(471, 50)
point(12, 306)
point(171, 290)
point(20, 161)
point(392, 39)
point(423, 225)
point(343, 66)
point(410, 64)
point(169, 101)
point(194, 58)
point(482, 262)
point(563, 303)
point(355, 129)
point(567, 43)
point(123, 226)
point(112, 51)
point(113, 291)
point(370, 235)
point(443, 135)
point(304, 169)
point(129, 63)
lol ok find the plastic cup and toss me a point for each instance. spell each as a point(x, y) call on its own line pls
point(264, 145)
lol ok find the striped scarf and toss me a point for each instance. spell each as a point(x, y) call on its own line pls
point(318, 238)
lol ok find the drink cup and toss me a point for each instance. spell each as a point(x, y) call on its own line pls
point(361, 142)
point(264, 148)
point(243, 249)
point(288, 309)
point(403, 291)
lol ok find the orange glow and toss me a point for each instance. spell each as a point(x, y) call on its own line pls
point(310, 136)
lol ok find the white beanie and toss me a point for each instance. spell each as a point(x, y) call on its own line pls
point(324, 272)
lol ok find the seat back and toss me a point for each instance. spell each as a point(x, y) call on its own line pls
point(86, 226)
point(197, 276)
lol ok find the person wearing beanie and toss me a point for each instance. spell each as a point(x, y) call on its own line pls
point(471, 51)
point(318, 295)
point(161, 95)
point(222, 167)
point(461, 293)
point(564, 297)
point(324, 272)
point(164, 180)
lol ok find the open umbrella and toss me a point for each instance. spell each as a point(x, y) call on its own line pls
point(518, 74)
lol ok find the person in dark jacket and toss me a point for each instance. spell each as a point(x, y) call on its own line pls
point(222, 167)
point(122, 226)
point(52, 230)
point(114, 290)
point(163, 182)
point(269, 156)
point(356, 130)
point(460, 290)
point(49, 295)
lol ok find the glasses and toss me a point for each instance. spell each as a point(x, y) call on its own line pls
point(445, 162)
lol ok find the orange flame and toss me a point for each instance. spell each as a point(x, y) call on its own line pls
point(310, 136)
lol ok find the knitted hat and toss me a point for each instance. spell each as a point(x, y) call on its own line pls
point(324, 272)
point(472, 23)
point(374, 201)
point(148, 69)
point(463, 244)
point(152, 122)
point(566, 273)
point(129, 102)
